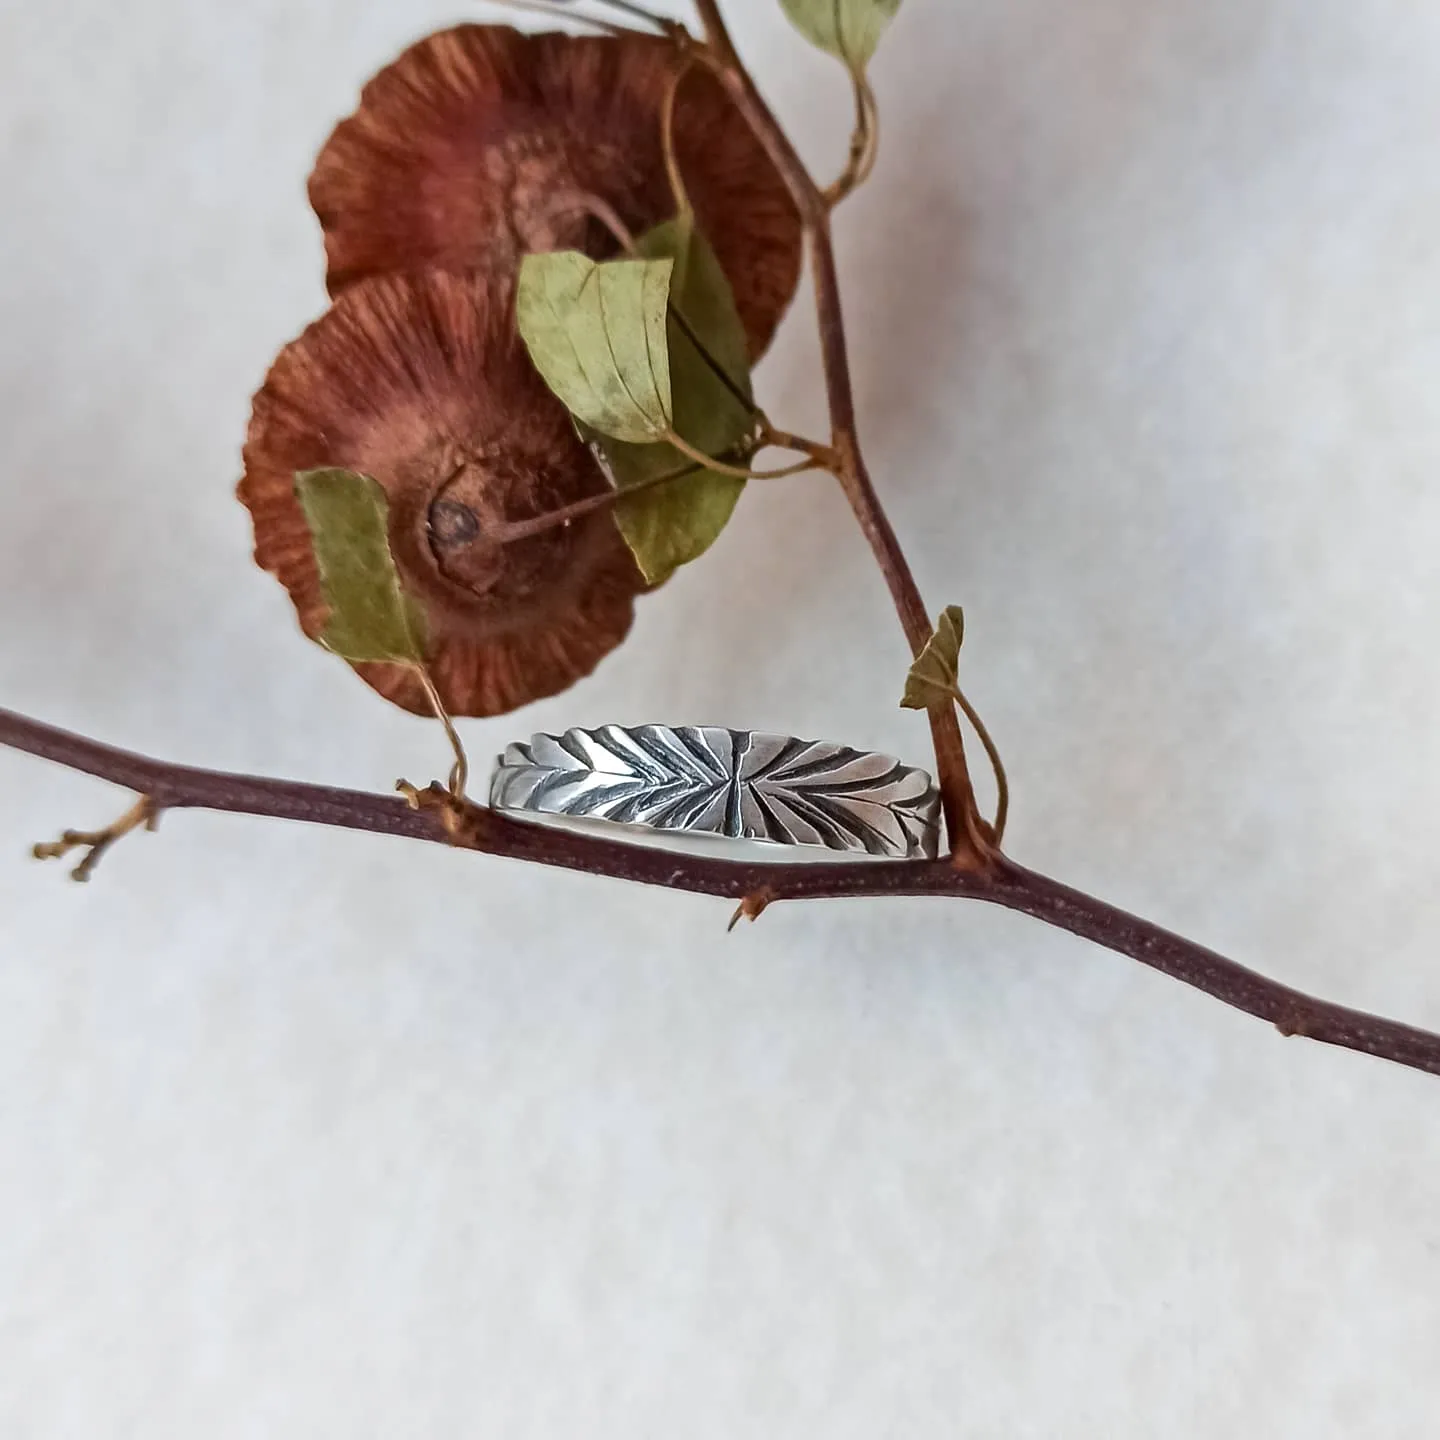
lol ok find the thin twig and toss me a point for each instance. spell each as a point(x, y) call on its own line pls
point(781, 472)
point(677, 441)
point(823, 456)
point(506, 532)
point(992, 752)
point(441, 818)
point(509, 531)
point(662, 23)
point(667, 138)
point(864, 143)
point(581, 202)
point(460, 770)
point(563, 9)
point(554, 12)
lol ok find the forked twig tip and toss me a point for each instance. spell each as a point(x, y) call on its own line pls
point(145, 812)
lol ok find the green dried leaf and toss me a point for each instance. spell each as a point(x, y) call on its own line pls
point(849, 29)
point(935, 675)
point(671, 523)
point(596, 332)
point(371, 617)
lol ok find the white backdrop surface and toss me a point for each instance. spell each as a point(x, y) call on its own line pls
point(304, 1133)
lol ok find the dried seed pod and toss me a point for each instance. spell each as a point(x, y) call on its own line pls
point(480, 144)
point(420, 381)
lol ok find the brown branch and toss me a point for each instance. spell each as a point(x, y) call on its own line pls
point(970, 840)
point(755, 885)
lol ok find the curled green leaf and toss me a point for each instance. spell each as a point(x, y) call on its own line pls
point(934, 678)
point(597, 334)
point(371, 617)
point(669, 523)
point(849, 29)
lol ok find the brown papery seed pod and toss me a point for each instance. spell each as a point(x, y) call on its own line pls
point(480, 144)
point(421, 382)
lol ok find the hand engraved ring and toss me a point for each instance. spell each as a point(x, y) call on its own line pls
point(703, 780)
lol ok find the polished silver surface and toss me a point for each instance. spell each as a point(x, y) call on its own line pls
point(703, 780)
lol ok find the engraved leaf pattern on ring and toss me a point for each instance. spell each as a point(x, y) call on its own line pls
point(709, 780)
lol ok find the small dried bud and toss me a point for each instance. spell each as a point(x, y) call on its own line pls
point(421, 382)
point(480, 144)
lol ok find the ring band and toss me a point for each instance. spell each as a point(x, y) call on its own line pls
point(704, 780)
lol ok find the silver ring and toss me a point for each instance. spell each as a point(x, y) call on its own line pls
point(703, 780)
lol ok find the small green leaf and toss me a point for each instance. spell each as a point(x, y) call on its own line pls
point(371, 617)
point(935, 675)
point(596, 332)
point(849, 29)
point(670, 523)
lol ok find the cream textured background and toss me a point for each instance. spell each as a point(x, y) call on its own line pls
point(312, 1134)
